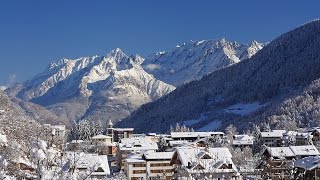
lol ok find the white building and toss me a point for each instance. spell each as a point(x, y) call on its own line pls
point(200, 163)
point(242, 140)
point(272, 138)
point(136, 144)
point(98, 139)
point(150, 165)
point(192, 136)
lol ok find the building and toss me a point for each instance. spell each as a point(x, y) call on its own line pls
point(242, 141)
point(193, 136)
point(316, 136)
point(303, 139)
point(308, 168)
point(277, 162)
point(91, 165)
point(118, 133)
point(272, 138)
point(131, 145)
point(98, 139)
point(150, 165)
point(202, 163)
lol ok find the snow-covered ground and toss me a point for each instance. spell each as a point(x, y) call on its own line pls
point(210, 126)
point(244, 109)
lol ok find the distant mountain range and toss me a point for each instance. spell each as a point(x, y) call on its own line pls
point(278, 85)
point(115, 85)
point(193, 60)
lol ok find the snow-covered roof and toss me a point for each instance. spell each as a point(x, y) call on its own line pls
point(292, 151)
point(90, 161)
point(280, 152)
point(209, 159)
point(158, 155)
point(194, 134)
point(273, 133)
point(177, 143)
point(101, 136)
point(242, 139)
point(308, 163)
point(137, 144)
point(123, 129)
point(308, 150)
point(135, 158)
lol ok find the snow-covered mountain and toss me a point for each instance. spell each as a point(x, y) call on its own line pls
point(193, 60)
point(279, 85)
point(114, 85)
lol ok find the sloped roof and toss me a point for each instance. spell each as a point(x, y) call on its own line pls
point(291, 151)
point(308, 150)
point(273, 133)
point(308, 163)
point(242, 139)
point(280, 152)
point(138, 143)
point(194, 134)
point(192, 156)
point(89, 161)
point(158, 155)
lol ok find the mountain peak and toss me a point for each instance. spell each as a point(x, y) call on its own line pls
point(116, 51)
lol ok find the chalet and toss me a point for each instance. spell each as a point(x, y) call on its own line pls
point(308, 168)
point(242, 141)
point(193, 136)
point(276, 161)
point(202, 163)
point(150, 165)
point(130, 145)
point(272, 138)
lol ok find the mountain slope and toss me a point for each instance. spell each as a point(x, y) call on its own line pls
point(16, 125)
point(193, 60)
point(114, 85)
point(256, 87)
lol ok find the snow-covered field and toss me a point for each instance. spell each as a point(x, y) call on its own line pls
point(244, 109)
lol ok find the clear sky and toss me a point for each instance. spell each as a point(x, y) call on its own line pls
point(35, 33)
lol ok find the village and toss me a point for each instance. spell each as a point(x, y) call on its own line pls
point(119, 153)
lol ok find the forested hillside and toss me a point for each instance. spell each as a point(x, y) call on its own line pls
point(279, 73)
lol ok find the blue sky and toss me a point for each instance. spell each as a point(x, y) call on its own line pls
point(35, 33)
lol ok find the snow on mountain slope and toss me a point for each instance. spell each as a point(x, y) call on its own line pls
point(283, 77)
point(115, 78)
point(193, 60)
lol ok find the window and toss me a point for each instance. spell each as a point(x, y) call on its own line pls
point(139, 171)
point(159, 164)
point(139, 165)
